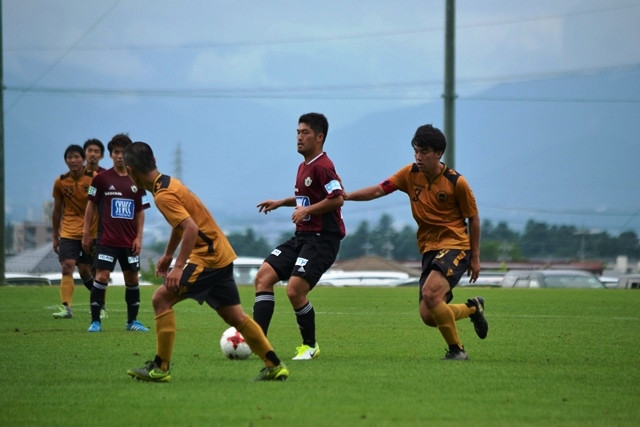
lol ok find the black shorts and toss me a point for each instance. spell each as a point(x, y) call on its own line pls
point(306, 255)
point(453, 263)
point(106, 257)
point(215, 286)
point(72, 249)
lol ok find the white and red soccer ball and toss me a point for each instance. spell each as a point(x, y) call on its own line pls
point(233, 345)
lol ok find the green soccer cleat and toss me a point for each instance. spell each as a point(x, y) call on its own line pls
point(277, 373)
point(306, 352)
point(150, 372)
point(64, 312)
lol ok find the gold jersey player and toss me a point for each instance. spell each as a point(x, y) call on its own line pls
point(70, 193)
point(304, 258)
point(203, 270)
point(441, 203)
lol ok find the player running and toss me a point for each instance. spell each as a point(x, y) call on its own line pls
point(441, 202)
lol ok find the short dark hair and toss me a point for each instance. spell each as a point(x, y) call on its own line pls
point(427, 136)
point(121, 140)
point(316, 121)
point(94, 141)
point(139, 156)
point(73, 148)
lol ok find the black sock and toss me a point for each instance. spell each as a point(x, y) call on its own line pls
point(132, 297)
point(88, 283)
point(271, 357)
point(306, 318)
point(97, 300)
point(263, 308)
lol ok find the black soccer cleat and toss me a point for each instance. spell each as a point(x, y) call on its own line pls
point(455, 353)
point(479, 322)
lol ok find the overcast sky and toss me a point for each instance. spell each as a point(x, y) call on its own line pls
point(284, 48)
point(65, 58)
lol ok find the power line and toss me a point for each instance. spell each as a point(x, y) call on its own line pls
point(324, 38)
point(415, 90)
point(65, 53)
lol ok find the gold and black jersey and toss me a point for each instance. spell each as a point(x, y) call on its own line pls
point(74, 194)
point(177, 203)
point(440, 208)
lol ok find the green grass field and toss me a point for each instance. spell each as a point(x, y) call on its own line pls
point(553, 357)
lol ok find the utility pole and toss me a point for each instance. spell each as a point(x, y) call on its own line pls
point(178, 162)
point(2, 171)
point(450, 83)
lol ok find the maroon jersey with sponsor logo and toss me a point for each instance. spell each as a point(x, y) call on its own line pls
point(118, 200)
point(316, 181)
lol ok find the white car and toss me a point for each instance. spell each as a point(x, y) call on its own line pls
point(551, 279)
point(15, 279)
point(365, 278)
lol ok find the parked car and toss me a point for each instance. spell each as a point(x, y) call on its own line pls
point(629, 281)
point(116, 278)
point(609, 281)
point(486, 278)
point(551, 279)
point(244, 269)
point(366, 278)
point(15, 279)
point(56, 278)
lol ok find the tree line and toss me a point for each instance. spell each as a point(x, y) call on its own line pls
point(538, 240)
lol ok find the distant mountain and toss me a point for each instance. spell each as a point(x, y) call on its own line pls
point(561, 151)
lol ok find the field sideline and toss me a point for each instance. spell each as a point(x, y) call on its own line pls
point(552, 357)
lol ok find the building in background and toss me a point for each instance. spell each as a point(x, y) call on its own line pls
point(29, 235)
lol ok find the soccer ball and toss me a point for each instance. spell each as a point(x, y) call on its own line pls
point(233, 345)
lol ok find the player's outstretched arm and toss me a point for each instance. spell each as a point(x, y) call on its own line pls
point(365, 194)
point(271, 205)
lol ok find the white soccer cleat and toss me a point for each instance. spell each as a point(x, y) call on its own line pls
point(305, 352)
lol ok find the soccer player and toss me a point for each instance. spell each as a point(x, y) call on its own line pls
point(203, 270)
point(94, 152)
point(441, 203)
point(70, 192)
point(304, 258)
point(120, 205)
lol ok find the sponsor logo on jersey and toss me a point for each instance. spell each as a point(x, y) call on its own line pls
point(276, 252)
point(92, 190)
point(303, 201)
point(133, 259)
point(307, 181)
point(122, 208)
